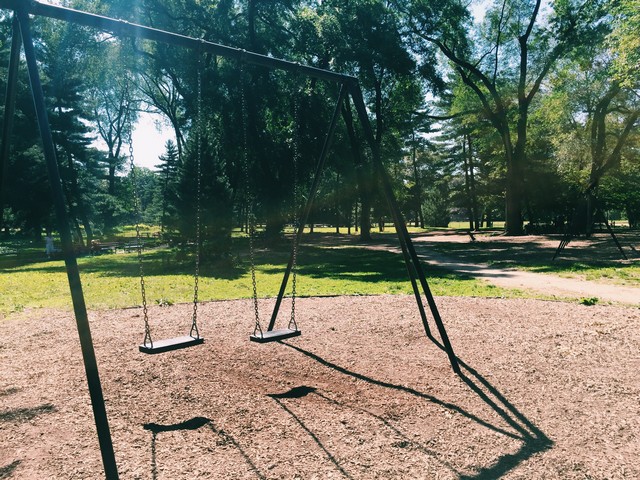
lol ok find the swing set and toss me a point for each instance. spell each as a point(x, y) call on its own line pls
point(586, 213)
point(176, 343)
point(349, 91)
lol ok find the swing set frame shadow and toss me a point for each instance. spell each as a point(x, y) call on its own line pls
point(349, 90)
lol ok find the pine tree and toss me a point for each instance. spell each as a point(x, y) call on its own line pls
point(168, 171)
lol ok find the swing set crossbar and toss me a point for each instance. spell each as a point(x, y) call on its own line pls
point(169, 344)
point(124, 28)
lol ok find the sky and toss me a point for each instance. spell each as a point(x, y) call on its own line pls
point(150, 135)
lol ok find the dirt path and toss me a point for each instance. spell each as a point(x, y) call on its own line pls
point(549, 284)
point(543, 283)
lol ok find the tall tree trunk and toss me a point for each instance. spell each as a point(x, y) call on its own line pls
point(355, 217)
point(84, 217)
point(417, 183)
point(363, 175)
point(513, 204)
point(467, 186)
point(513, 187)
point(472, 185)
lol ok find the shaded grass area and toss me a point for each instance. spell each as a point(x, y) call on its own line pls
point(623, 274)
point(113, 280)
point(596, 258)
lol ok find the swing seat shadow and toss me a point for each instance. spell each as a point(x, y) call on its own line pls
point(532, 439)
point(191, 424)
point(295, 392)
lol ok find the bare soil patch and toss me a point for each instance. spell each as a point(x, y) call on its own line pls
point(549, 390)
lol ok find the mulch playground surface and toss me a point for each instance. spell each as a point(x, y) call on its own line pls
point(549, 390)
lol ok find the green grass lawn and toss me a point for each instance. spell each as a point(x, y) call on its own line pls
point(112, 280)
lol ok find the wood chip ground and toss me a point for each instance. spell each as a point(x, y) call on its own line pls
point(549, 390)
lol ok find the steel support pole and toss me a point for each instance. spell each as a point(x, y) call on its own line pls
point(312, 194)
point(610, 230)
point(9, 110)
point(410, 271)
point(414, 286)
point(401, 228)
point(416, 291)
point(73, 274)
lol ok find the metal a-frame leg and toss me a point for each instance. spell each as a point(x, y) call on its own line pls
point(9, 109)
point(568, 236)
point(309, 204)
point(73, 274)
point(610, 230)
point(305, 216)
point(563, 243)
point(307, 209)
point(410, 255)
point(405, 253)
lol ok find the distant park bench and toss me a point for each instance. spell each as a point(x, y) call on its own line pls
point(98, 247)
point(131, 247)
point(8, 251)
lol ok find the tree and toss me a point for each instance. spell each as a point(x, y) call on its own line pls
point(168, 171)
point(25, 203)
point(624, 107)
point(64, 85)
point(625, 42)
point(161, 93)
point(595, 115)
point(363, 38)
point(203, 189)
point(474, 148)
point(620, 190)
point(114, 110)
point(438, 167)
point(145, 195)
point(504, 64)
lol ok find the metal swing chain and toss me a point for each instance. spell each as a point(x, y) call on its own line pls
point(249, 199)
point(296, 210)
point(194, 318)
point(136, 206)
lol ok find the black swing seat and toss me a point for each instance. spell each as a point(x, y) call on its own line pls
point(274, 335)
point(160, 346)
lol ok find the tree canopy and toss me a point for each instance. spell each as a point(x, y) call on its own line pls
point(512, 113)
